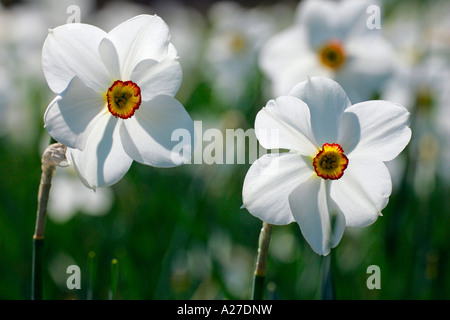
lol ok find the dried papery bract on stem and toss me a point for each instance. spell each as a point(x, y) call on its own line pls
point(54, 155)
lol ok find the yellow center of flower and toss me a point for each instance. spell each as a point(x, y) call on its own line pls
point(124, 98)
point(425, 99)
point(330, 162)
point(237, 43)
point(332, 54)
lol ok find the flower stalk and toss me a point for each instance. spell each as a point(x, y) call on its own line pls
point(114, 279)
point(92, 267)
point(261, 261)
point(53, 156)
point(327, 290)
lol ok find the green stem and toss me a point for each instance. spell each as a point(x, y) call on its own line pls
point(92, 267)
point(258, 287)
point(261, 262)
point(114, 279)
point(327, 290)
point(37, 267)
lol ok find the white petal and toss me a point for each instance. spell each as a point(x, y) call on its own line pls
point(104, 161)
point(72, 50)
point(368, 67)
point(110, 58)
point(287, 59)
point(327, 101)
point(384, 127)
point(139, 38)
point(285, 123)
point(268, 183)
point(325, 20)
point(363, 191)
point(307, 65)
point(147, 136)
point(353, 16)
point(370, 55)
point(70, 118)
point(172, 51)
point(282, 50)
point(349, 132)
point(319, 19)
point(321, 222)
point(157, 78)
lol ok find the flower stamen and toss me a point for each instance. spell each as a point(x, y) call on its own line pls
point(124, 98)
point(330, 162)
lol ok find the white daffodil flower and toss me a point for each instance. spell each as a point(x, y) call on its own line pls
point(329, 39)
point(115, 100)
point(334, 174)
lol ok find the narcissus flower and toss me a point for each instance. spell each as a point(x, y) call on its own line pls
point(330, 39)
point(115, 100)
point(334, 173)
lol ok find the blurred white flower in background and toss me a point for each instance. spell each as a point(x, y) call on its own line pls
point(329, 39)
point(405, 28)
point(68, 196)
point(106, 16)
point(235, 39)
point(427, 85)
point(6, 94)
point(420, 82)
point(20, 72)
point(23, 28)
point(438, 32)
point(236, 263)
point(188, 30)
